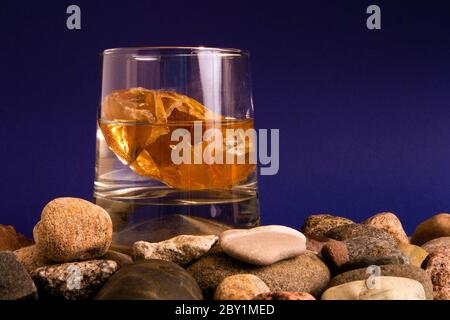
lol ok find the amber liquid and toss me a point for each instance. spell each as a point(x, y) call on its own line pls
point(151, 197)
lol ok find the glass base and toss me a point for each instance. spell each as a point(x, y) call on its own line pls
point(156, 213)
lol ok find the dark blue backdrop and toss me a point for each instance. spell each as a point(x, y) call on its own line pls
point(364, 115)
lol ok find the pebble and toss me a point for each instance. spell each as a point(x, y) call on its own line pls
point(319, 224)
point(167, 227)
point(73, 280)
point(15, 282)
point(349, 231)
point(263, 246)
point(391, 224)
point(361, 252)
point(73, 229)
point(415, 254)
point(10, 240)
point(240, 287)
point(390, 288)
point(151, 280)
point(404, 271)
point(316, 243)
point(435, 227)
point(31, 258)
point(437, 266)
point(304, 273)
point(437, 244)
point(284, 296)
point(181, 249)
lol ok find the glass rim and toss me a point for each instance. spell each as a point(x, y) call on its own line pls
point(172, 50)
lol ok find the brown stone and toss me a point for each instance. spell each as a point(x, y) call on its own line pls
point(31, 259)
point(390, 223)
point(316, 243)
point(437, 266)
point(240, 287)
point(73, 229)
point(350, 231)
point(305, 273)
point(10, 240)
point(435, 227)
point(284, 296)
point(437, 244)
point(319, 224)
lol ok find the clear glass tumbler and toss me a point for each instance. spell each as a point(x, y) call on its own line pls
point(160, 102)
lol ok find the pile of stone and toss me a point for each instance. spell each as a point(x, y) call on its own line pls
point(330, 258)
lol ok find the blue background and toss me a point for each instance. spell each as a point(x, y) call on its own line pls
point(364, 115)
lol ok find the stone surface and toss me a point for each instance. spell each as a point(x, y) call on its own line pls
point(73, 280)
point(349, 231)
point(391, 224)
point(15, 282)
point(240, 287)
point(120, 258)
point(181, 249)
point(151, 280)
point(437, 244)
point(263, 245)
point(435, 227)
point(73, 229)
point(389, 288)
point(319, 224)
point(31, 258)
point(163, 228)
point(316, 243)
point(415, 254)
point(284, 296)
point(335, 255)
point(437, 266)
point(361, 252)
point(405, 271)
point(10, 240)
point(305, 273)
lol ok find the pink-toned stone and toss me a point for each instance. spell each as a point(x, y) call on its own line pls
point(390, 223)
point(284, 296)
point(438, 267)
point(437, 244)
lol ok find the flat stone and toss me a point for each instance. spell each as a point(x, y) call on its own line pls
point(415, 254)
point(11, 240)
point(435, 227)
point(391, 224)
point(151, 280)
point(73, 280)
point(163, 228)
point(73, 229)
point(181, 249)
point(319, 224)
point(437, 266)
point(388, 288)
point(284, 296)
point(350, 231)
point(31, 258)
point(405, 271)
point(240, 287)
point(15, 282)
point(304, 273)
point(263, 245)
point(437, 244)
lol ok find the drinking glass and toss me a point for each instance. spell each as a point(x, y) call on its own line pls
point(157, 103)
